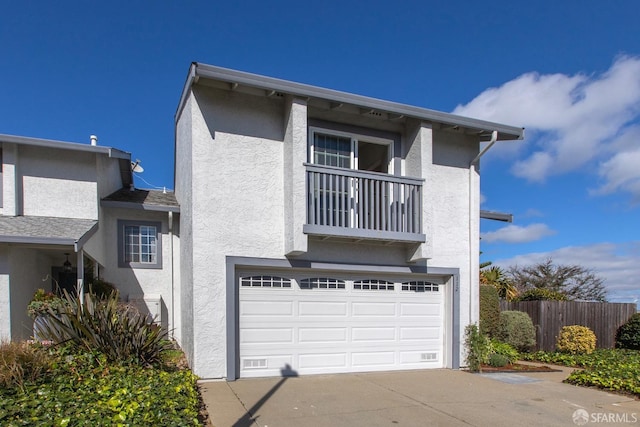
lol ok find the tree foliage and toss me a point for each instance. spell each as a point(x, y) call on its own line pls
point(489, 310)
point(497, 277)
point(574, 281)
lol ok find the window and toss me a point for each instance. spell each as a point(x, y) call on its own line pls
point(373, 285)
point(321, 283)
point(420, 286)
point(139, 244)
point(265, 282)
point(350, 150)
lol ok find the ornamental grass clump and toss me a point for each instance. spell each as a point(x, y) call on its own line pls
point(576, 339)
point(104, 324)
point(21, 363)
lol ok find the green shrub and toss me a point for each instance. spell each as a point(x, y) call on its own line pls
point(103, 324)
point(489, 310)
point(505, 350)
point(576, 339)
point(628, 335)
point(478, 348)
point(20, 363)
point(516, 329)
point(86, 390)
point(498, 360)
point(541, 294)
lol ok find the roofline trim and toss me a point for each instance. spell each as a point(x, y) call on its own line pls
point(64, 145)
point(497, 216)
point(139, 206)
point(85, 237)
point(198, 70)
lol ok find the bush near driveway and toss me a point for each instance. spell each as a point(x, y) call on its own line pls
point(517, 330)
point(84, 389)
point(628, 335)
point(611, 369)
point(576, 339)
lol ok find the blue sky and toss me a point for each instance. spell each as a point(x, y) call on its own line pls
point(567, 71)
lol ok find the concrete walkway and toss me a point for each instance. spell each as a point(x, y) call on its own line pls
point(414, 398)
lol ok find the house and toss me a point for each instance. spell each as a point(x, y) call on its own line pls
point(69, 214)
point(322, 231)
point(311, 230)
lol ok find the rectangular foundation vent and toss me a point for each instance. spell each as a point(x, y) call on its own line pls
point(429, 357)
point(254, 363)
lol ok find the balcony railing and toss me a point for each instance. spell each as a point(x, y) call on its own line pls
point(358, 204)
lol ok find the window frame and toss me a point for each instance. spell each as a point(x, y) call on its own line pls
point(355, 138)
point(122, 224)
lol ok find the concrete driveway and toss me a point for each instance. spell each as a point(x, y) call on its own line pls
point(415, 398)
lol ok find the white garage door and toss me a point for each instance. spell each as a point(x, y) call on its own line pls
point(310, 324)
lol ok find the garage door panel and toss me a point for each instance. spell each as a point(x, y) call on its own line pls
point(322, 308)
point(373, 334)
point(374, 358)
point(419, 333)
point(321, 360)
point(420, 310)
point(322, 335)
point(266, 335)
point(266, 308)
point(373, 309)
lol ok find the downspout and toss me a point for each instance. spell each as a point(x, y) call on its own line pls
point(173, 310)
point(472, 170)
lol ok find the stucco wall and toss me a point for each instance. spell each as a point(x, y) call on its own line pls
point(30, 270)
point(237, 196)
point(5, 295)
point(58, 183)
point(134, 283)
point(183, 184)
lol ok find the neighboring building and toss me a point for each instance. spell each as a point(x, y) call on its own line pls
point(311, 231)
point(55, 233)
point(322, 231)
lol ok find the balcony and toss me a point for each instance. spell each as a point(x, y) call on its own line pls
point(357, 204)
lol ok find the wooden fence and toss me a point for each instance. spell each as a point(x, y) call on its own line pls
point(549, 317)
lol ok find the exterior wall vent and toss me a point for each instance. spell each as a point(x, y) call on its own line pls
point(429, 357)
point(254, 363)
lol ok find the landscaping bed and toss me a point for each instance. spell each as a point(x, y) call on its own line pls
point(82, 388)
point(610, 369)
point(517, 367)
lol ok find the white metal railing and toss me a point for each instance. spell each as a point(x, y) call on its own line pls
point(353, 199)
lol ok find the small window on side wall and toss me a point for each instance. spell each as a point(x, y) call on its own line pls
point(139, 244)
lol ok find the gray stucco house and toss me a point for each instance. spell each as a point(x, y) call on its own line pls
point(311, 231)
point(323, 231)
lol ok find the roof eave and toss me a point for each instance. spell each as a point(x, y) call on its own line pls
point(198, 70)
point(139, 206)
point(64, 145)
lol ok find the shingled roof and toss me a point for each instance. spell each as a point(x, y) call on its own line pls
point(151, 200)
point(46, 230)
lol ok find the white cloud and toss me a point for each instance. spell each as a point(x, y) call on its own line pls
point(483, 198)
point(531, 212)
point(571, 121)
point(617, 264)
point(517, 234)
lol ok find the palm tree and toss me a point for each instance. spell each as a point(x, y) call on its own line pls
point(496, 277)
